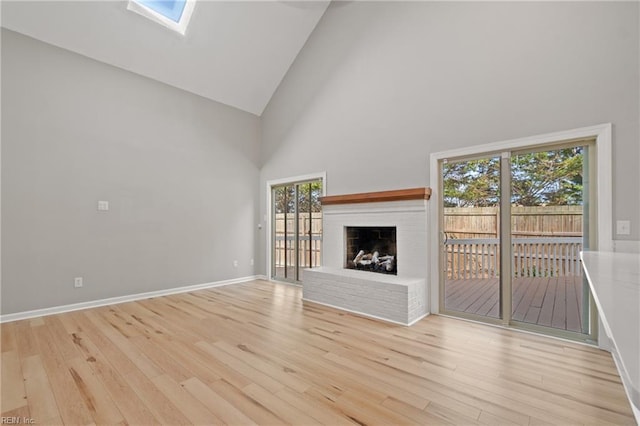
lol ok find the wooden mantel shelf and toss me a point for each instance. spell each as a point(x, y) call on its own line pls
point(376, 197)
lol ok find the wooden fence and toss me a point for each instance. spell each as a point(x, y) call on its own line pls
point(542, 221)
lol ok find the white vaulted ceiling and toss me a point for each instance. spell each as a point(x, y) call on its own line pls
point(234, 52)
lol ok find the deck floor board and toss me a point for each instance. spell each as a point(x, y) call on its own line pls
point(548, 301)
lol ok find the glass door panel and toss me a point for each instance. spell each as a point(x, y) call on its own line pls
point(283, 231)
point(471, 237)
point(547, 211)
point(309, 225)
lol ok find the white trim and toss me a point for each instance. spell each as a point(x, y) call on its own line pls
point(368, 315)
point(601, 132)
point(179, 27)
point(283, 181)
point(121, 299)
point(301, 178)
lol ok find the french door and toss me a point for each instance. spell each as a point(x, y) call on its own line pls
point(296, 229)
point(513, 224)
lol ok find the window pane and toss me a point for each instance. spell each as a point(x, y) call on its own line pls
point(471, 191)
point(171, 9)
point(547, 203)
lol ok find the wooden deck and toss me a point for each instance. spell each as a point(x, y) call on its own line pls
point(548, 301)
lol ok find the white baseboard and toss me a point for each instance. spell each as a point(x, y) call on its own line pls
point(121, 299)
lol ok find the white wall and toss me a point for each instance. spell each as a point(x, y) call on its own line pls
point(380, 85)
point(180, 173)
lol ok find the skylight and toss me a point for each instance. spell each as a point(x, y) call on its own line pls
point(173, 14)
point(169, 9)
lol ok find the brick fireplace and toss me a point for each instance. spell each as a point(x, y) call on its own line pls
point(390, 223)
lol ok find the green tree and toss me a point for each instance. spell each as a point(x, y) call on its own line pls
point(308, 197)
point(551, 177)
point(473, 183)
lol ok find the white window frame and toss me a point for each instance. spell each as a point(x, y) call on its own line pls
point(179, 27)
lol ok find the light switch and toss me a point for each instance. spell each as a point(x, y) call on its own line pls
point(103, 206)
point(623, 227)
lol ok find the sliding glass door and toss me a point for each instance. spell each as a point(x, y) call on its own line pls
point(296, 229)
point(549, 228)
point(471, 236)
point(513, 225)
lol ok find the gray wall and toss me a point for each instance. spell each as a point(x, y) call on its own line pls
point(180, 173)
point(381, 85)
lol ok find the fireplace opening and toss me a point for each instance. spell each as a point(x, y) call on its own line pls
point(371, 248)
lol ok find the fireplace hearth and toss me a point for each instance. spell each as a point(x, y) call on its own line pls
point(401, 297)
point(371, 248)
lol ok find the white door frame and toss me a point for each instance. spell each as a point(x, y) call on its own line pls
point(604, 213)
point(285, 181)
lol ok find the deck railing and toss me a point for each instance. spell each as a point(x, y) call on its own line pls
point(532, 257)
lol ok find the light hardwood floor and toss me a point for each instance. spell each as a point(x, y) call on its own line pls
point(253, 353)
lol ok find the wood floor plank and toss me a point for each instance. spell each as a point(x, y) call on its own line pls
point(536, 400)
point(96, 397)
point(25, 341)
point(115, 344)
point(240, 367)
point(13, 393)
point(8, 336)
point(69, 400)
point(451, 415)
point(324, 415)
point(137, 370)
point(281, 408)
point(228, 413)
point(21, 413)
point(254, 353)
point(416, 415)
point(365, 411)
point(189, 406)
point(40, 396)
point(493, 420)
point(259, 413)
point(161, 359)
point(123, 395)
point(282, 374)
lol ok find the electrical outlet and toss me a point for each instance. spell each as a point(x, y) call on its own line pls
point(235, 263)
point(623, 227)
point(103, 206)
point(251, 262)
point(77, 282)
